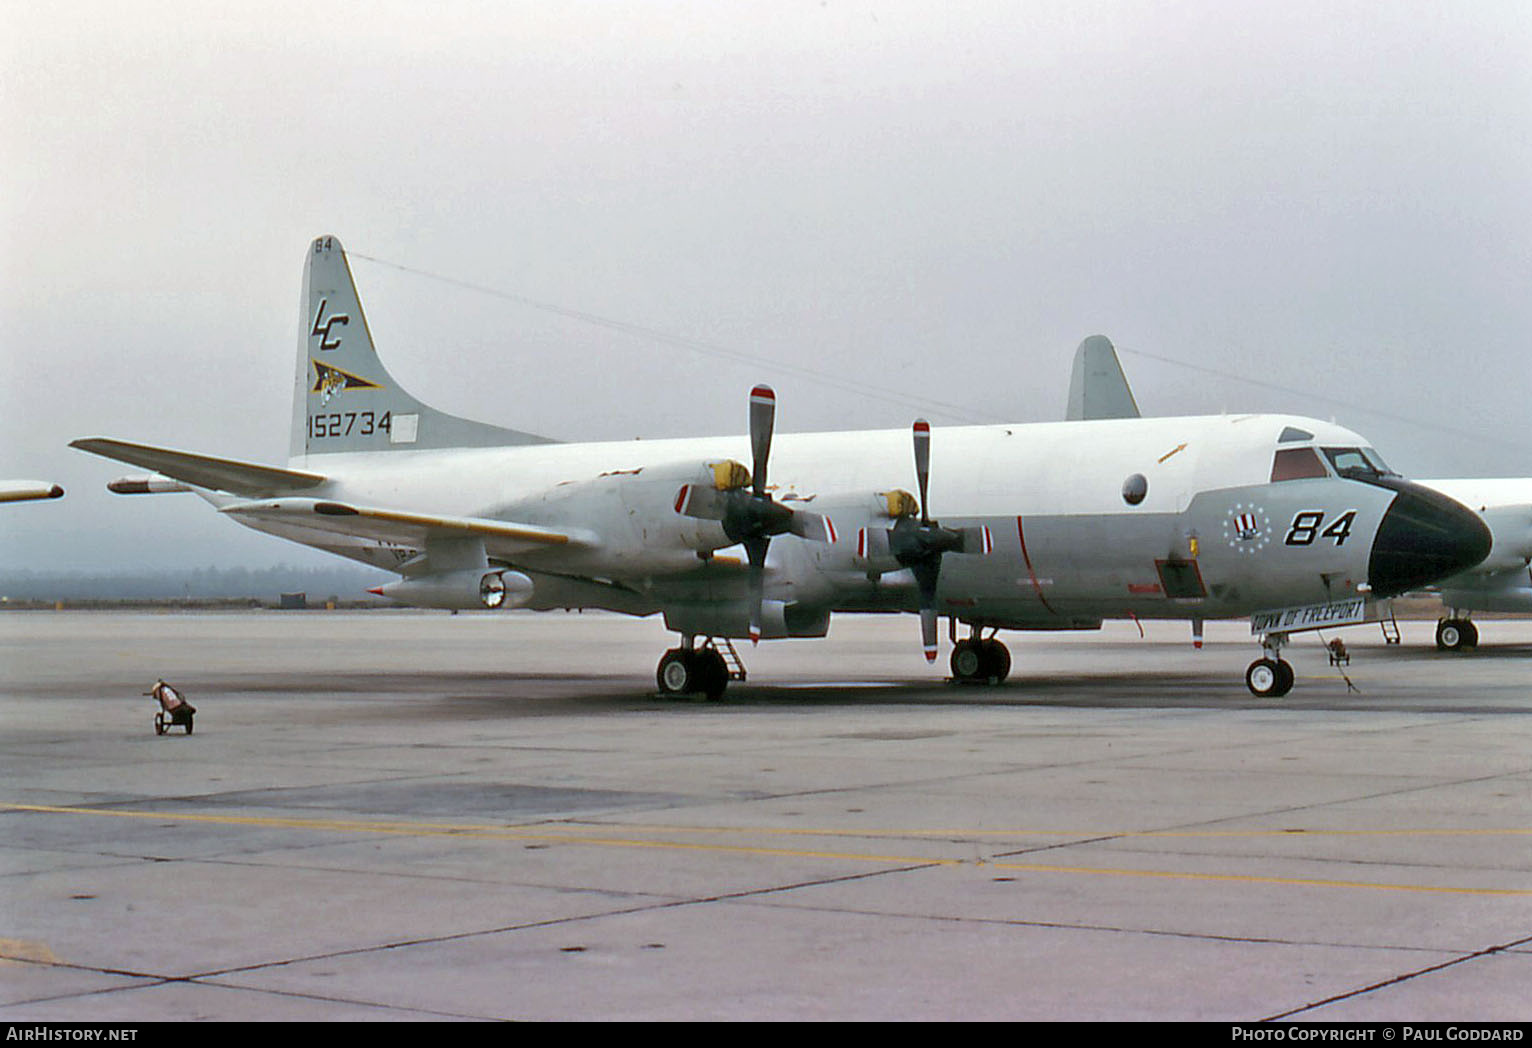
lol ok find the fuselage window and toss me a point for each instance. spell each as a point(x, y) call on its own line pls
point(1296, 464)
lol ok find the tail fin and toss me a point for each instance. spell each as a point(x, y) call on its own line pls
point(1098, 388)
point(344, 398)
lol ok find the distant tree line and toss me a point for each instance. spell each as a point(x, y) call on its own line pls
point(210, 583)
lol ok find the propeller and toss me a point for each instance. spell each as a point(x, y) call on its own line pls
point(753, 521)
point(919, 544)
point(752, 517)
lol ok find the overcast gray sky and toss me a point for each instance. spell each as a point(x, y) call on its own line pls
point(883, 208)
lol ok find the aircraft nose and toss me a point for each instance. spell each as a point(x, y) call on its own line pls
point(1424, 536)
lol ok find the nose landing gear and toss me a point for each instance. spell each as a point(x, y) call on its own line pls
point(1270, 676)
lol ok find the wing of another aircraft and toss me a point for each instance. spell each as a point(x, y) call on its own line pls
point(204, 471)
point(27, 490)
point(1503, 580)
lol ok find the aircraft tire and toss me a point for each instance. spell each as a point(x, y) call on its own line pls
point(712, 674)
point(677, 672)
point(1455, 634)
point(980, 662)
point(997, 659)
point(1269, 678)
point(968, 662)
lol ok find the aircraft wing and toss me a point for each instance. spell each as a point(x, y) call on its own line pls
point(402, 528)
point(204, 471)
point(1506, 506)
point(22, 490)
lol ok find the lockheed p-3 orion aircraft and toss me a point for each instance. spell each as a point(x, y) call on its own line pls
point(1043, 526)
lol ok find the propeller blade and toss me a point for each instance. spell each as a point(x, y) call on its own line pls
point(925, 572)
point(922, 432)
point(755, 550)
point(928, 632)
point(812, 526)
point(978, 540)
point(693, 500)
point(763, 411)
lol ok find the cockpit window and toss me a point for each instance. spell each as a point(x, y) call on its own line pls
point(1356, 460)
point(1292, 433)
point(1296, 464)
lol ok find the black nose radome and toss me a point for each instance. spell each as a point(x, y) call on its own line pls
point(1423, 537)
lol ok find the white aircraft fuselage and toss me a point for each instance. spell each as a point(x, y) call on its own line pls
point(1067, 547)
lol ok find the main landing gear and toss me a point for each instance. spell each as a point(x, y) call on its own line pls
point(980, 660)
point(1270, 676)
point(1456, 633)
point(699, 670)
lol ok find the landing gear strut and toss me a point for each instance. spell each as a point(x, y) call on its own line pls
point(980, 660)
point(1270, 676)
point(1456, 633)
point(692, 670)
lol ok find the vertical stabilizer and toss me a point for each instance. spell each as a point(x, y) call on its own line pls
point(1098, 388)
point(344, 399)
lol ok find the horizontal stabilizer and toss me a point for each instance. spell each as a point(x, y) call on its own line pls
point(24, 490)
point(240, 478)
point(501, 538)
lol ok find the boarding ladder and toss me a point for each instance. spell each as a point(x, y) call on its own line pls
point(1390, 624)
point(725, 648)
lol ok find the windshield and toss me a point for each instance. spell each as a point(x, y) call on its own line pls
point(1357, 460)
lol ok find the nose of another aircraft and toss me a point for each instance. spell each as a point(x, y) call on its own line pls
point(1424, 536)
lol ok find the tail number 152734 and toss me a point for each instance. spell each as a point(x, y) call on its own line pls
point(347, 423)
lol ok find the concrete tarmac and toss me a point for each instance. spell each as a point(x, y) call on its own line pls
point(418, 816)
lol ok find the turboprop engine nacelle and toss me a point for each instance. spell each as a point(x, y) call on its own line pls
point(472, 590)
point(636, 512)
point(778, 619)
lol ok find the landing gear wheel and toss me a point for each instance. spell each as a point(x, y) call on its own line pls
point(677, 672)
point(692, 671)
point(980, 661)
point(997, 659)
point(1269, 678)
point(1456, 634)
point(967, 661)
point(712, 673)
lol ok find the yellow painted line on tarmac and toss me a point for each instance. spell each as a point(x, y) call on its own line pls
point(590, 835)
point(1308, 882)
point(470, 832)
point(16, 951)
point(1018, 832)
